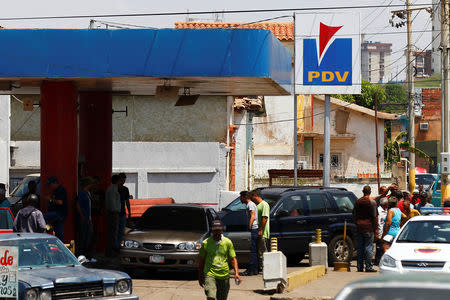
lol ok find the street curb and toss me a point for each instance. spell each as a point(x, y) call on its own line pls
point(298, 278)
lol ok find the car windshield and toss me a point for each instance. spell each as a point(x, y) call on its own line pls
point(427, 231)
point(22, 188)
point(397, 293)
point(174, 218)
point(425, 179)
point(238, 205)
point(41, 252)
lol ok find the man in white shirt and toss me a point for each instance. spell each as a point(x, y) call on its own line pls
point(382, 213)
point(253, 227)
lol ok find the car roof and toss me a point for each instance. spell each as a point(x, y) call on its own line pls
point(436, 217)
point(277, 190)
point(187, 205)
point(430, 277)
point(24, 236)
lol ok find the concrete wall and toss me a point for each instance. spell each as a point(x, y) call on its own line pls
point(273, 136)
point(4, 138)
point(157, 169)
point(149, 120)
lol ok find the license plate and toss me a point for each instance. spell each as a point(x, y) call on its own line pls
point(156, 259)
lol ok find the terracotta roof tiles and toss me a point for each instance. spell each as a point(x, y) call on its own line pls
point(284, 31)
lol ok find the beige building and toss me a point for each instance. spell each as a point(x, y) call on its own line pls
point(375, 61)
point(353, 140)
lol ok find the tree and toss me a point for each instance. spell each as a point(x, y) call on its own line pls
point(395, 93)
point(367, 96)
point(392, 150)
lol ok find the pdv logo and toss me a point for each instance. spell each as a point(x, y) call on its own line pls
point(331, 64)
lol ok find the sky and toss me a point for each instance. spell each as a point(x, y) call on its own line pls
point(374, 21)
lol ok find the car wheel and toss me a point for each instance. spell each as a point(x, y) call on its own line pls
point(295, 258)
point(335, 249)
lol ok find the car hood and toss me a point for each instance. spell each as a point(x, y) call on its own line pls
point(420, 251)
point(164, 236)
point(48, 276)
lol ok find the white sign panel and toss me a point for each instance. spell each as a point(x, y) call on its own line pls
point(328, 53)
point(9, 259)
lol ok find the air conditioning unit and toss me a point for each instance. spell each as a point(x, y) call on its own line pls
point(423, 126)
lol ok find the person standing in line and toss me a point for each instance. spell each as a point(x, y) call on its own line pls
point(393, 218)
point(365, 217)
point(382, 192)
point(124, 201)
point(382, 213)
point(4, 202)
point(57, 208)
point(112, 199)
point(263, 210)
point(409, 212)
point(253, 227)
point(84, 220)
point(29, 218)
point(213, 269)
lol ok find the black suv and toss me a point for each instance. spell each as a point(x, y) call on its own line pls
point(295, 214)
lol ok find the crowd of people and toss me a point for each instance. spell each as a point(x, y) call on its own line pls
point(91, 201)
point(379, 219)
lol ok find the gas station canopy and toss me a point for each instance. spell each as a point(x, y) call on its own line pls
point(136, 61)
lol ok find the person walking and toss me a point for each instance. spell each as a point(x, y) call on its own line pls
point(213, 269)
point(112, 199)
point(253, 227)
point(263, 210)
point(57, 208)
point(29, 218)
point(124, 201)
point(84, 220)
point(365, 217)
point(4, 202)
point(382, 213)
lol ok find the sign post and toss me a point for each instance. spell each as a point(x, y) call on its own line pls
point(327, 61)
point(9, 259)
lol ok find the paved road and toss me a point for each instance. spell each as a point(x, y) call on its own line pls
point(184, 285)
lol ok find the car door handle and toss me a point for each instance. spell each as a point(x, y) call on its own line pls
point(301, 222)
point(332, 219)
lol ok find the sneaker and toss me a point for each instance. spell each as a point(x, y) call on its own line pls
point(371, 271)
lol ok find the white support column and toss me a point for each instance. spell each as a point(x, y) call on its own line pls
point(326, 143)
point(5, 139)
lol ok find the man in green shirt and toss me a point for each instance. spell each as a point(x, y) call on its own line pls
point(263, 210)
point(213, 269)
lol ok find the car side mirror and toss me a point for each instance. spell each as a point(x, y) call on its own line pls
point(282, 213)
point(82, 259)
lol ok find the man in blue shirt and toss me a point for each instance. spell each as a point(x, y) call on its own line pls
point(3, 201)
point(84, 221)
point(57, 208)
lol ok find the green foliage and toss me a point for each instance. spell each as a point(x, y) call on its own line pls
point(367, 96)
point(393, 147)
point(432, 81)
point(395, 93)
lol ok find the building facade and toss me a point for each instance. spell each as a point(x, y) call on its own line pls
point(375, 61)
point(423, 63)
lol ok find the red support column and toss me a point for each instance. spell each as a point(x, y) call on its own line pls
point(59, 144)
point(96, 146)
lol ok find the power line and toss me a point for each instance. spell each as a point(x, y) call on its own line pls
point(204, 12)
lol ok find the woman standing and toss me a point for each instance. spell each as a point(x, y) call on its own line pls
point(393, 219)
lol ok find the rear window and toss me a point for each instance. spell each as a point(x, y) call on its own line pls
point(345, 203)
point(174, 218)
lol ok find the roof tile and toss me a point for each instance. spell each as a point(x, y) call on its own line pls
point(284, 31)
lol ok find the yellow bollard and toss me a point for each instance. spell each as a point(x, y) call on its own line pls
point(318, 236)
point(273, 244)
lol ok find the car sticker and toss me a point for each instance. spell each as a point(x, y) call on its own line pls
point(427, 250)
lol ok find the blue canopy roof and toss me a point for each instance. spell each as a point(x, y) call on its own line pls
point(251, 56)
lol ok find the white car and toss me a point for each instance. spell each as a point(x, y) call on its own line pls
point(423, 244)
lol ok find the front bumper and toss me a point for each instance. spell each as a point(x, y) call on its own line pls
point(172, 260)
point(399, 269)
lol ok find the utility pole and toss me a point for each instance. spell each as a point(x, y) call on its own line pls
point(410, 80)
point(376, 140)
point(445, 139)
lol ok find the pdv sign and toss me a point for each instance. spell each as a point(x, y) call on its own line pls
point(328, 54)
